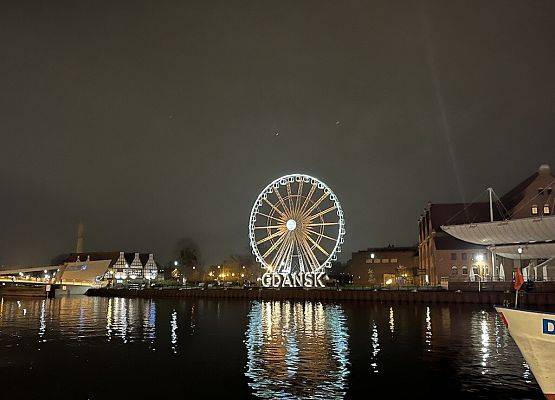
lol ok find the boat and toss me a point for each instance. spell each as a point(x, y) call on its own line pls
point(534, 334)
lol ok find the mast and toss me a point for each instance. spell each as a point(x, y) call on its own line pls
point(493, 270)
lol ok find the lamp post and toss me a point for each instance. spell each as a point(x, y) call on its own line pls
point(520, 266)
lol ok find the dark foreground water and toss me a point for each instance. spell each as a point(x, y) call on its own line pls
point(99, 348)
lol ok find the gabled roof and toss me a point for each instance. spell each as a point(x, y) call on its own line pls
point(110, 255)
point(515, 195)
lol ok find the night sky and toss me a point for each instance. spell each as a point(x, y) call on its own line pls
point(156, 120)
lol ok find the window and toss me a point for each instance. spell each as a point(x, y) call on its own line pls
point(377, 260)
point(541, 191)
point(393, 260)
point(454, 270)
point(534, 209)
point(464, 271)
point(546, 210)
point(453, 256)
point(463, 256)
point(385, 260)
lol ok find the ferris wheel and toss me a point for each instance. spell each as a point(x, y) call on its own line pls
point(296, 225)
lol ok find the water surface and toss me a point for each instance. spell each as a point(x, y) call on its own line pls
point(99, 348)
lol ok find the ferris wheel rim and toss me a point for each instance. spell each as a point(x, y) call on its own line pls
point(305, 178)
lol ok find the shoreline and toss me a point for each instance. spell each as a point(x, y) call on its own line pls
point(391, 296)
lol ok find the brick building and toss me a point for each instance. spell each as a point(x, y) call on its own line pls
point(384, 266)
point(443, 258)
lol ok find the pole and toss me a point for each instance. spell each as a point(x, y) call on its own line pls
point(495, 275)
point(516, 299)
point(490, 190)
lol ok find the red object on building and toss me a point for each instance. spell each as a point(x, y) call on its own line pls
point(519, 279)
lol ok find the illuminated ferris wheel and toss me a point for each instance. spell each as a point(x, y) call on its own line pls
point(296, 225)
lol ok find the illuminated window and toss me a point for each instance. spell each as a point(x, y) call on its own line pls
point(385, 260)
point(377, 260)
point(464, 271)
point(534, 209)
point(393, 260)
point(546, 209)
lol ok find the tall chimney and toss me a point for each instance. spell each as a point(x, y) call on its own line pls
point(80, 237)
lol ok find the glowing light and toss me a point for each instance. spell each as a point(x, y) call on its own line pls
point(479, 257)
point(291, 224)
point(389, 281)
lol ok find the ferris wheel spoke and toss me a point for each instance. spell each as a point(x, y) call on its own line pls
point(299, 195)
point(312, 217)
point(316, 204)
point(312, 260)
point(289, 197)
point(322, 224)
point(285, 209)
point(321, 235)
point(273, 235)
point(270, 227)
point(285, 262)
point(318, 246)
point(275, 264)
point(269, 216)
point(308, 197)
point(273, 246)
point(276, 209)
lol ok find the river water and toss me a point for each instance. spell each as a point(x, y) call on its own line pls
point(112, 348)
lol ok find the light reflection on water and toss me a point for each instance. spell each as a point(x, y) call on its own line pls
point(297, 350)
point(290, 349)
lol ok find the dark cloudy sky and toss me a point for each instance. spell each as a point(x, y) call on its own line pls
point(155, 120)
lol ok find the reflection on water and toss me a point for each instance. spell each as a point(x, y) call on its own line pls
point(428, 330)
point(267, 349)
point(297, 350)
point(391, 320)
point(375, 348)
point(173, 329)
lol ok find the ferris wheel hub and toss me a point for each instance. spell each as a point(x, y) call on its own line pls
point(291, 224)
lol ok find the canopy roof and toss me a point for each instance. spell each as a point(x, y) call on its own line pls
point(529, 251)
point(518, 231)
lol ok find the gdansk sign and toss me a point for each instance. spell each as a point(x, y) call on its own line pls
point(307, 279)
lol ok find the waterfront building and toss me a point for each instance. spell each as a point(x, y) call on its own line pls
point(444, 258)
point(384, 266)
point(113, 267)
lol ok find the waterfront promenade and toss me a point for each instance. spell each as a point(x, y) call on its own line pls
point(391, 296)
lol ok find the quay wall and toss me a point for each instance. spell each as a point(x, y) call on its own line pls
point(389, 296)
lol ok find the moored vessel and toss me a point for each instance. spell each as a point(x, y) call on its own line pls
point(534, 334)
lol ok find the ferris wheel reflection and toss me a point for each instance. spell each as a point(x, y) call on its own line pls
point(297, 350)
